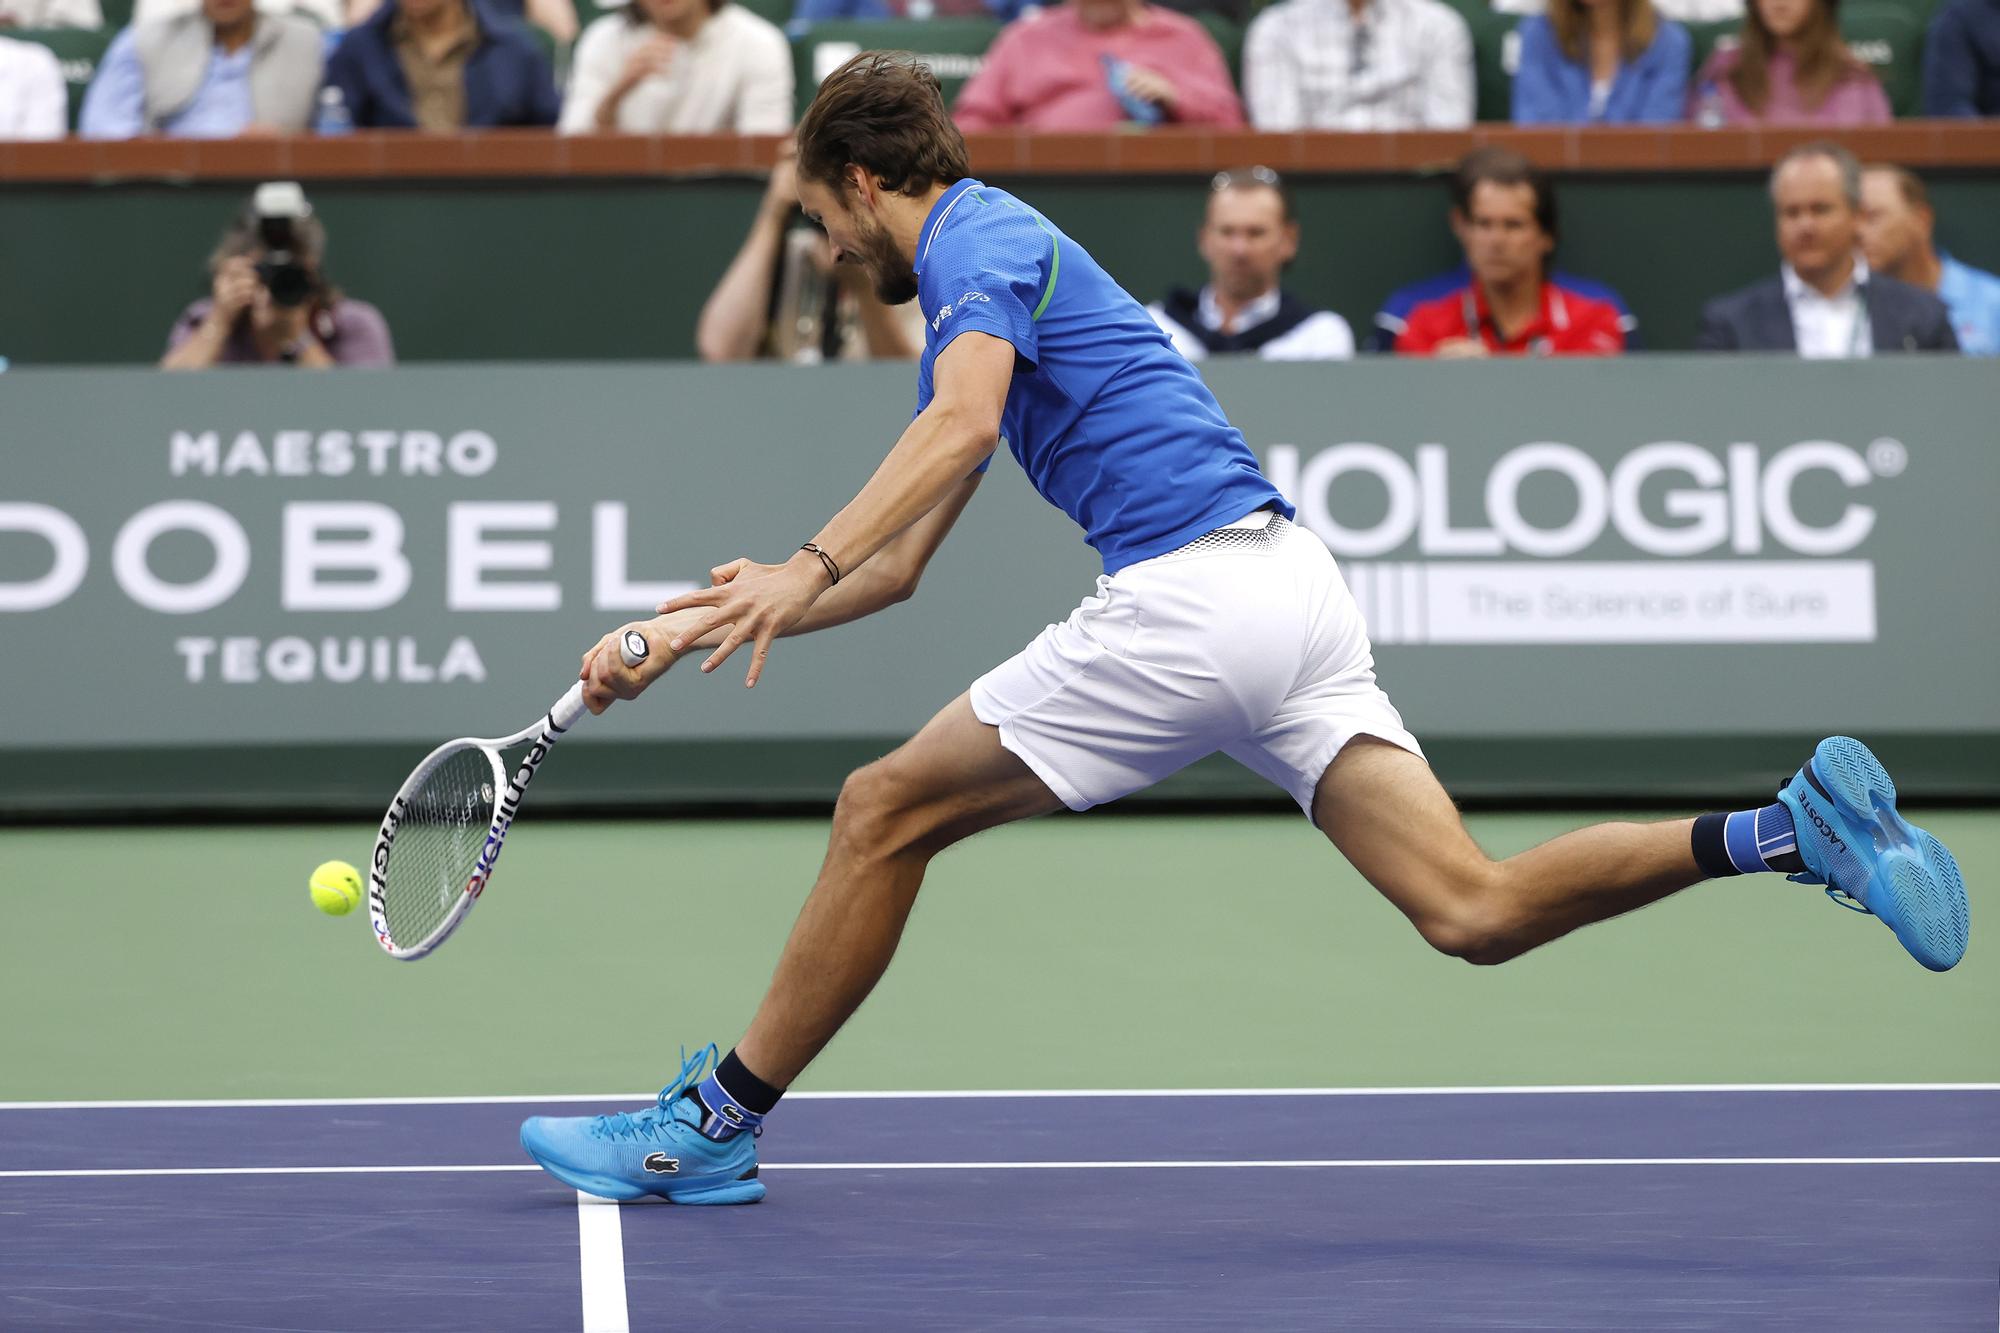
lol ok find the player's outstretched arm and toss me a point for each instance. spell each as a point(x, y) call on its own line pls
point(936, 453)
point(889, 577)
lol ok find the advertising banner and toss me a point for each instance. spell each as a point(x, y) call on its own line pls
point(1545, 551)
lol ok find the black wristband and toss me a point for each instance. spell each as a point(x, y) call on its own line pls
point(832, 570)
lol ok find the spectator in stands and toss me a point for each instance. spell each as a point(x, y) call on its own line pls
point(1679, 11)
point(1962, 60)
point(34, 104)
point(783, 298)
point(1482, 164)
point(1248, 236)
point(1604, 62)
point(271, 303)
point(1358, 65)
point(1236, 11)
point(680, 67)
point(557, 18)
point(326, 13)
point(808, 12)
point(1511, 306)
point(1788, 67)
point(50, 14)
point(215, 73)
point(1824, 301)
point(1897, 222)
point(1096, 64)
point(442, 65)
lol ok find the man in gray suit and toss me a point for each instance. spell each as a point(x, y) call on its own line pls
point(1824, 301)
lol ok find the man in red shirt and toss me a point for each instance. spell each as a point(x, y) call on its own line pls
point(1510, 307)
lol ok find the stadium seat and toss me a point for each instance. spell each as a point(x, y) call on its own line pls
point(1889, 36)
point(77, 50)
point(953, 48)
point(117, 13)
point(1496, 54)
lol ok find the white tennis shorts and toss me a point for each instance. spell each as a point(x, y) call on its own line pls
point(1245, 640)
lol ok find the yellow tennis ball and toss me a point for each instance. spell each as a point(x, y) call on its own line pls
point(335, 887)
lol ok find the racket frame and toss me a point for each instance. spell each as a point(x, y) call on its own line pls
point(508, 789)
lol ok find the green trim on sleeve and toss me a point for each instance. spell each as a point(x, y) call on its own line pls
point(1055, 260)
point(1055, 268)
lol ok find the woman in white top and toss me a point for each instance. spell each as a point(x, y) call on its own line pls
point(680, 67)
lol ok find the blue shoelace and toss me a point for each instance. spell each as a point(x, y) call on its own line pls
point(650, 1123)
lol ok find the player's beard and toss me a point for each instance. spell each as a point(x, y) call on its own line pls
point(895, 281)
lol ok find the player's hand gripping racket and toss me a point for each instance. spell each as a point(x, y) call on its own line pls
point(443, 833)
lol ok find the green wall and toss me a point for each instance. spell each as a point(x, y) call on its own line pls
point(535, 270)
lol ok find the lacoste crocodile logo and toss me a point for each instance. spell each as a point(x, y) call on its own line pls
point(661, 1164)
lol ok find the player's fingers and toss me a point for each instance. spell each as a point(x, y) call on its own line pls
point(691, 634)
point(722, 574)
point(699, 597)
point(757, 657)
point(728, 646)
point(590, 656)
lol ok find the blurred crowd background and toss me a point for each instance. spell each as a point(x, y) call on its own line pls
point(1861, 255)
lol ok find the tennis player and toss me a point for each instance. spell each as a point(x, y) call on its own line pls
point(1218, 624)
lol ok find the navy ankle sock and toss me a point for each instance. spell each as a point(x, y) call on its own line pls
point(1746, 841)
point(735, 1100)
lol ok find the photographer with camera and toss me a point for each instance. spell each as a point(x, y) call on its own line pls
point(270, 302)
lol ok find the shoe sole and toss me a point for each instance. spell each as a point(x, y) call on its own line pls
point(1927, 906)
point(749, 1190)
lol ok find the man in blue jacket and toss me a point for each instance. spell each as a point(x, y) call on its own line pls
point(442, 65)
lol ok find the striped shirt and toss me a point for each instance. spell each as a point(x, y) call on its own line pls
point(1402, 65)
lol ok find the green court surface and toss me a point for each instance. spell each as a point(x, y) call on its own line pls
point(1094, 951)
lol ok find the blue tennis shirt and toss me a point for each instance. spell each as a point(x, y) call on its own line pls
point(1111, 424)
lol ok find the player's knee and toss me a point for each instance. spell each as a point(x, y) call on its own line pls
point(876, 812)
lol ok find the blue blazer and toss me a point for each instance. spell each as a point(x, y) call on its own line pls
point(507, 79)
point(1552, 89)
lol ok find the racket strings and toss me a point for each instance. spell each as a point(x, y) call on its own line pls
point(438, 842)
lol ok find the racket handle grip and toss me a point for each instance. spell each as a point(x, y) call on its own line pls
point(567, 711)
point(632, 646)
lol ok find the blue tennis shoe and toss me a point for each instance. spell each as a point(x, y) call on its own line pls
point(1870, 858)
point(659, 1150)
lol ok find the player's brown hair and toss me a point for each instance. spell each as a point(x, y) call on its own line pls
point(882, 111)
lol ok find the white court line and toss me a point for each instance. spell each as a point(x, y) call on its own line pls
point(601, 1246)
point(1176, 1164)
point(1553, 1089)
point(267, 1171)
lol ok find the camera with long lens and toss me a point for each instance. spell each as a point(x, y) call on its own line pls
point(279, 207)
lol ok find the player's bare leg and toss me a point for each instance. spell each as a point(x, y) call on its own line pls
point(948, 782)
point(1386, 812)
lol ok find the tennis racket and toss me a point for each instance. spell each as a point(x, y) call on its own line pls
point(442, 835)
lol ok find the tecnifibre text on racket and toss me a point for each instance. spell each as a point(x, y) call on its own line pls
point(442, 835)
